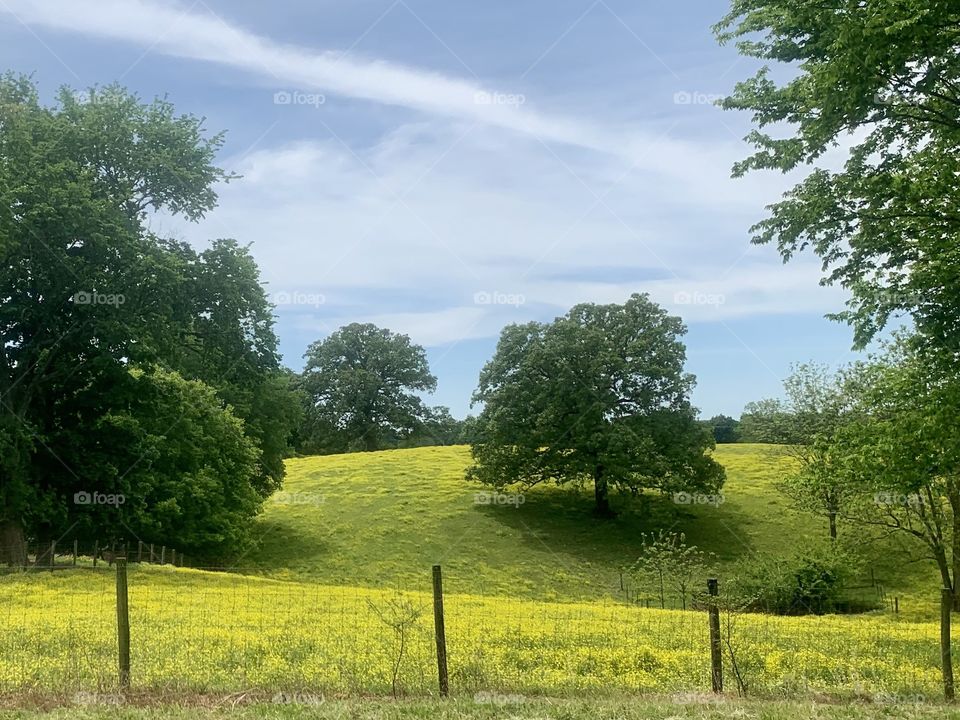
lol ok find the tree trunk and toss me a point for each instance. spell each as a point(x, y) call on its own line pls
point(833, 525)
point(940, 556)
point(954, 497)
point(371, 440)
point(946, 662)
point(13, 544)
point(601, 494)
point(954, 588)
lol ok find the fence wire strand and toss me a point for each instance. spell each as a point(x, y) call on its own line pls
point(199, 631)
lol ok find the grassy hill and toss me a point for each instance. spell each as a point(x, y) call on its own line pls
point(349, 544)
point(383, 518)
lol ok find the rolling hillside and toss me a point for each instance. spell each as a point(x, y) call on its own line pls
point(383, 518)
point(349, 544)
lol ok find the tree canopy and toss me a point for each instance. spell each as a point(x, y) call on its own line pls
point(724, 428)
point(360, 385)
point(900, 457)
point(598, 395)
point(884, 80)
point(817, 405)
point(97, 307)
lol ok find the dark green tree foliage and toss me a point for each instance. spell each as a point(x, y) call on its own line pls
point(90, 295)
point(902, 456)
point(360, 385)
point(182, 462)
point(469, 430)
point(436, 427)
point(724, 428)
point(808, 580)
point(229, 343)
point(887, 74)
point(599, 395)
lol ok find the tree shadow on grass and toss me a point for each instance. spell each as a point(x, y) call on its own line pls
point(560, 519)
point(281, 546)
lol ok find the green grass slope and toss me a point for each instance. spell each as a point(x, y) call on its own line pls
point(383, 518)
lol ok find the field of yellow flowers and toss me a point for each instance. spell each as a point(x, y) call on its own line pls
point(196, 631)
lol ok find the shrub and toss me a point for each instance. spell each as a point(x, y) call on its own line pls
point(810, 582)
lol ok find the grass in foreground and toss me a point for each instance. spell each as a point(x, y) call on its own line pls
point(675, 708)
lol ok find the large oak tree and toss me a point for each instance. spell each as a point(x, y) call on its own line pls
point(361, 387)
point(598, 395)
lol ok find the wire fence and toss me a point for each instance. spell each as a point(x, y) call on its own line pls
point(63, 555)
point(864, 594)
point(193, 631)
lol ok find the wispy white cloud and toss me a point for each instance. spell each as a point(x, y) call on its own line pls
point(187, 32)
point(387, 234)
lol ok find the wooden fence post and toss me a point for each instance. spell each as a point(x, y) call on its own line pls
point(438, 627)
point(75, 551)
point(139, 551)
point(123, 623)
point(53, 554)
point(716, 655)
point(946, 657)
point(173, 557)
point(151, 552)
point(96, 551)
point(163, 554)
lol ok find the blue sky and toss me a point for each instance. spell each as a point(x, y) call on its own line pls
point(446, 168)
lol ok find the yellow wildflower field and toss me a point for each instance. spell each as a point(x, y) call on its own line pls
point(200, 631)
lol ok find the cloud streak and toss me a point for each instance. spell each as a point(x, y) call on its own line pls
point(178, 31)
